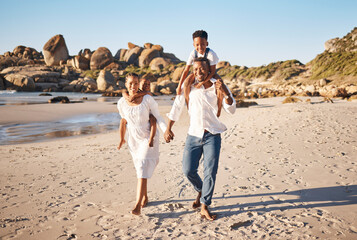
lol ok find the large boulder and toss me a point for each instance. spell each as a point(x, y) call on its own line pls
point(132, 55)
point(101, 58)
point(19, 82)
point(2, 85)
point(81, 62)
point(147, 55)
point(172, 57)
point(120, 54)
point(55, 50)
point(330, 45)
point(159, 63)
point(177, 74)
point(167, 87)
point(105, 81)
point(87, 53)
point(158, 47)
point(37, 73)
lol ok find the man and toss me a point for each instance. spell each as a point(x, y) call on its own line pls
point(204, 134)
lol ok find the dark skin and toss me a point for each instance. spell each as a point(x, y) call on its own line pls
point(201, 71)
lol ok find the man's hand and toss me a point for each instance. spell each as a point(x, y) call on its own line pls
point(169, 135)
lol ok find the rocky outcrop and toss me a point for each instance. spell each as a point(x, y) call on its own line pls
point(105, 81)
point(19, 82)
point(55, 50)
point(87, 53)
point(132, 55)
point(177, 74)
point(147, 55)
point(159, 63)
point(120, 54)
point(101, 58)
point(2, 85)
point(86, 84)
point(222, 64)
point(80, 62)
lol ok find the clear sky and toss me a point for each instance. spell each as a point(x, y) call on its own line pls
point(250, 33)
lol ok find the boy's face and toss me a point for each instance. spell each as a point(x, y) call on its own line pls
point(145, 85)
point(200, 44)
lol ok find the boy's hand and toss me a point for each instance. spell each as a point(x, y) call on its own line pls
point(121, 144)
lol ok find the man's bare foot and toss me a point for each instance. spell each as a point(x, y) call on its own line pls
point(197, 202)
point(205, 213)
point(136, 210)
point(145, 201)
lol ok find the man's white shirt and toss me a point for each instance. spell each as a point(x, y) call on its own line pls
point(202, 110)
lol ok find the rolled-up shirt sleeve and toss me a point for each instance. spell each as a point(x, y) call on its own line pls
point(177, 108)
point(231, 109)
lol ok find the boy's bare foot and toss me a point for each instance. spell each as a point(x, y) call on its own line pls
point(205, 213)
point(197, 202)
point(136, 210)
point(145, 201)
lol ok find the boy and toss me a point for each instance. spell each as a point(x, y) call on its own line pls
point(200, 44)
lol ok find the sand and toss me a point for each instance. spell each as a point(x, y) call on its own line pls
point(287, 171)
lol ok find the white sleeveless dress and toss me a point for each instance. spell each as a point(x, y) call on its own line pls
point(145, 158)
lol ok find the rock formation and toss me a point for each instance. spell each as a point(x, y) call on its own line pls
point(101, 58)
point(55, 50)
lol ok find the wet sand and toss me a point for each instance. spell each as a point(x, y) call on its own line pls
point(287, 171)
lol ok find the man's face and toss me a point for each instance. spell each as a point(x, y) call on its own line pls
point(200, 70)
point(145, 85)
point(200, 44)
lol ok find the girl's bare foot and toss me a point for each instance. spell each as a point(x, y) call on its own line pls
point(205, 213)
point(197, 202)
point(136, 210)
point(145, 201)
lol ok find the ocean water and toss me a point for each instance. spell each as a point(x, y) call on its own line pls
point(74, 126)
point(10, 97)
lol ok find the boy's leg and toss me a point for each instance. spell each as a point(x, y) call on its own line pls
point(191, 158)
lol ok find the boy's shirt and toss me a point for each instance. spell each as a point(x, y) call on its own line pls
point(211, 56)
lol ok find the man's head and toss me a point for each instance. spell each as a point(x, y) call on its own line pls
point(145, 85)
point(132, 83)
point(200, 43)
point(201, 68)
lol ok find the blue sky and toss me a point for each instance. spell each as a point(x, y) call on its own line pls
point(250, 33)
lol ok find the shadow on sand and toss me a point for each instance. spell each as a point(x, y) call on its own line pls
point(305, 198)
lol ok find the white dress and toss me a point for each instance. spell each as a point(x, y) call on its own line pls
point(145, 158)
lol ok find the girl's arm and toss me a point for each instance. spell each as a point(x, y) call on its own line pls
point(122, 130)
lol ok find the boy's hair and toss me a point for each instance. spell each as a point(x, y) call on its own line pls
point(201, 34)
point(131, 75)
point(202, 59)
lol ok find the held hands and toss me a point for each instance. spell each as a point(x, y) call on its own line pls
point(178, 90)
point(169, 135)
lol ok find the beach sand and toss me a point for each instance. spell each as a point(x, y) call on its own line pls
point(286, 171)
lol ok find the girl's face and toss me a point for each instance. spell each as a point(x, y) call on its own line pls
point(132, 84)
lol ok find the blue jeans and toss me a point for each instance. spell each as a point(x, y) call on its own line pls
point(209, 145)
